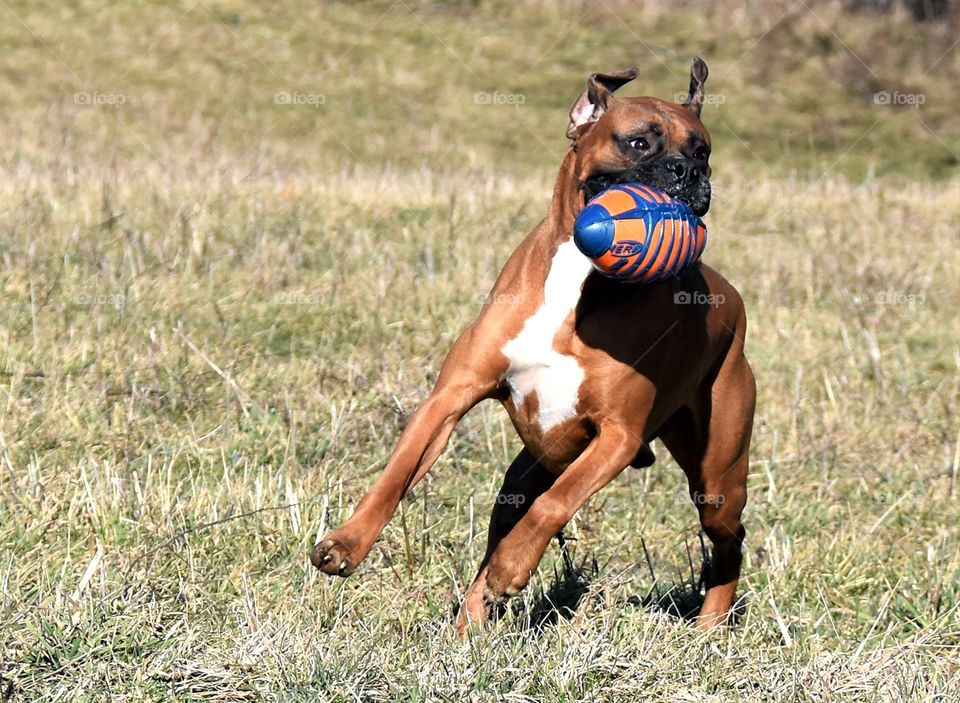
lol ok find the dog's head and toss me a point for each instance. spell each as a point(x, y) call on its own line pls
point(649, 140)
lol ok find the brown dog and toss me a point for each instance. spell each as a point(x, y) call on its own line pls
point(590, 370)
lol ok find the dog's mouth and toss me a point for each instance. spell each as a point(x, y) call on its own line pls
point(697, 198)
point(695, 192)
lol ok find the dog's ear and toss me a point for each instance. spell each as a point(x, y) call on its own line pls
point(698, 76)
point(594, 100)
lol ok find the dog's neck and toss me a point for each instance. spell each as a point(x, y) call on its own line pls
point(567, 200)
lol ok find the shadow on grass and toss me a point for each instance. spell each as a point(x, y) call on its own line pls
point(566, 591)
point(571, 582)
point(683, 599)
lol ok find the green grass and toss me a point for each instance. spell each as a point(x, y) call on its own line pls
point(156, 512)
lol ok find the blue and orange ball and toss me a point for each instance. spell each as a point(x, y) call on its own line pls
point(637, 234)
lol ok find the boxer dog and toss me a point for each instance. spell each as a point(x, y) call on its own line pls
point(591, 370)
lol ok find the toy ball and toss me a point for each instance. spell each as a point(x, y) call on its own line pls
point(637, 234)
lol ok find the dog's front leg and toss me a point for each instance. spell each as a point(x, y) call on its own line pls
point(342, 549)
point(461, 385)
point(518, 554)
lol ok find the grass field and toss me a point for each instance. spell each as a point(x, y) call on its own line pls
point(237, 240)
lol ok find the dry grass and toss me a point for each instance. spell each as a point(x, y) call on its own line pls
point(210, 342)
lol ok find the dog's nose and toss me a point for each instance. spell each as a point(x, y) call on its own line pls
point(687, 170)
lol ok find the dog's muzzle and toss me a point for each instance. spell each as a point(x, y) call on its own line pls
point(686, 179)
point(682, 178)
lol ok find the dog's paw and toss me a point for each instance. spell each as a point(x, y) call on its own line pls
point(334, 556)
point(504, 582)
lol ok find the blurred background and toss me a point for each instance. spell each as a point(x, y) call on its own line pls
point(806, 87)
point(237, 239)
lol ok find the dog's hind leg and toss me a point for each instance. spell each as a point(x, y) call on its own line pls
point(710, 439)
point(524, 481)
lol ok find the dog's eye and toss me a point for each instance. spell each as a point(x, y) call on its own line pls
point(638, 143)
point(701, 153)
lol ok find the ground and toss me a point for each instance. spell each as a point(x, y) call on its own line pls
point(237, 240)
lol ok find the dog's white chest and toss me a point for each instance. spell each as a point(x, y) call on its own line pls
point(534, 365)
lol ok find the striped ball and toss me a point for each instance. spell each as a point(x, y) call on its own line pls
point(638, 234)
